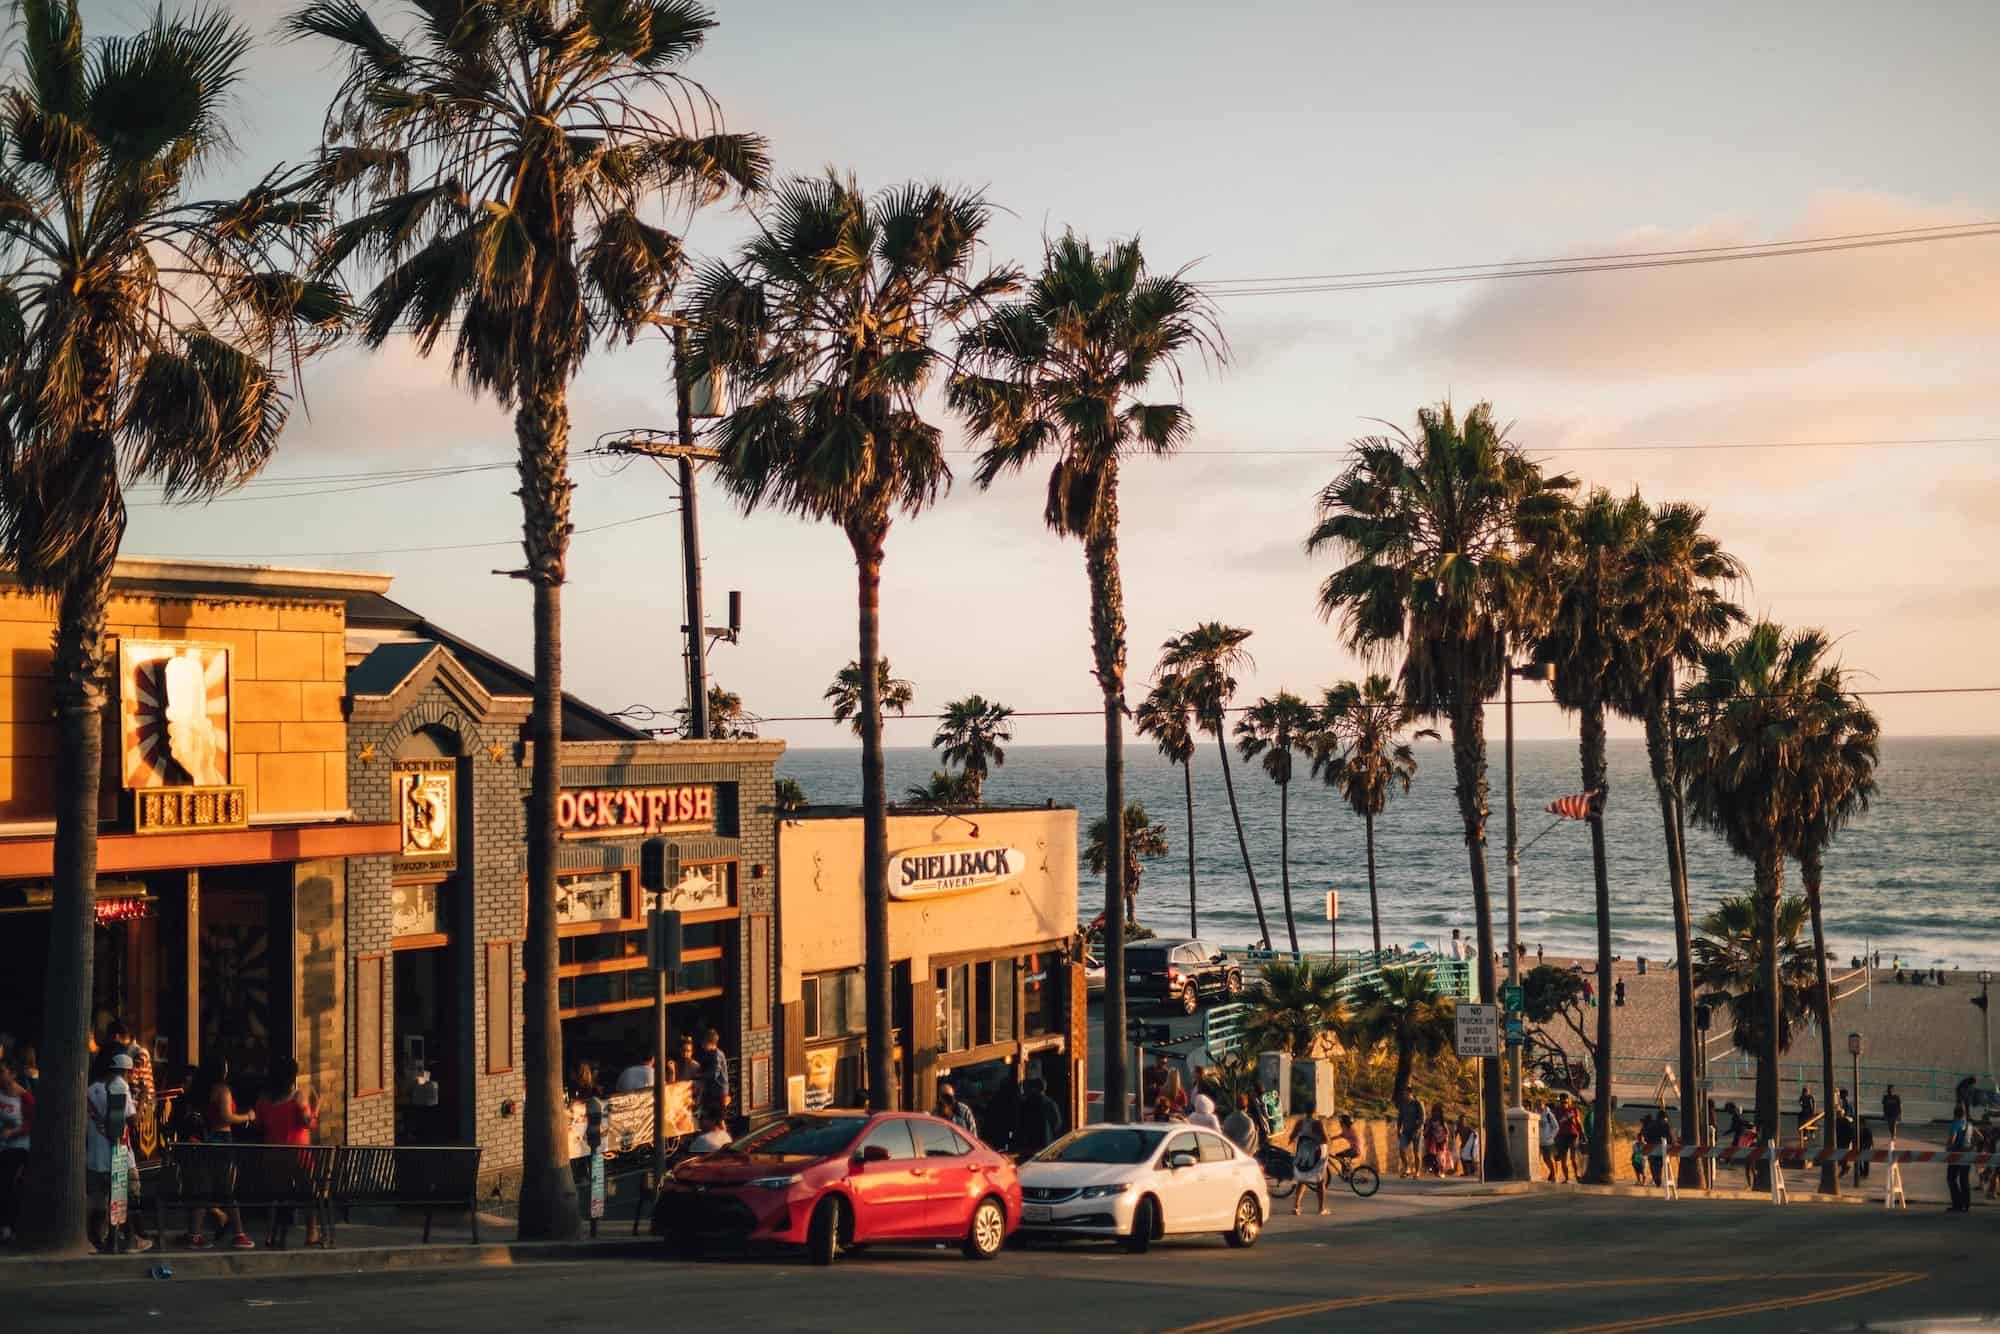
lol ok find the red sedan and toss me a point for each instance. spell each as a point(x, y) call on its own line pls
point(833, 1180)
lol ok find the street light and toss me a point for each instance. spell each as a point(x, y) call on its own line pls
point(1517, 1115)
point(1854, 1050)
point(1985, 1005)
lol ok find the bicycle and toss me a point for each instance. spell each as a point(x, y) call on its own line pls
point(1279, 1181)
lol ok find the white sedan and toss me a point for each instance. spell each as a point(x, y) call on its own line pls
point(1141, 1183)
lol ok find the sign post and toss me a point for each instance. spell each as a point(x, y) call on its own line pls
point(659, 874)
point(1476, 1033)
point(1333, 923)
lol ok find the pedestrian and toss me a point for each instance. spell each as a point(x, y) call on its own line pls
point(1437, 1142)
point(1958, 1176)
point(1309, 1163)
point(1864, 1145)
point(1547, 1129)
point(1260, 1113)
point(1538, 954)
point(686, 1065)
point(1153, 1083)
point(215, 1120)
point(1203, 1113)
point(111, 1093)
point(17, 1125)
point(1409, 1129)
point(1164, 1110)
point(1589, 993)
point(1241, 1128)
point(635, 1077)
point(141, 1078)
point(1468, 1148)
point(949, 1108)
point(1457, 944)
point(1618, 995)
point(1639, 1153)
point(714, 1078)
point(1892, 1110)
point(1003, 1114)
point(1040, 1124)
point(1658, 1138)
point(1569, 1126)
point(287, 1114)
point(711, 1138)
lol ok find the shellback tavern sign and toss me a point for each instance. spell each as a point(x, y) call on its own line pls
point(935, 871)
point(594, 812)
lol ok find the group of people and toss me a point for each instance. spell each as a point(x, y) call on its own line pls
point(1434, 1143)
point(1563, 1132)
point(1020, 1118)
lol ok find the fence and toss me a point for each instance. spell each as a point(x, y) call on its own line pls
point(1456, 978)
point(1738, 1070)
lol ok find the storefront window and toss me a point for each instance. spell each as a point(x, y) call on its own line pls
point(954, 1009)
point(702, 975)
point(833, 1004)
point(1038, 1003)
point(1003, 1000)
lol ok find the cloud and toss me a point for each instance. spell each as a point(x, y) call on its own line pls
point(1722, 317)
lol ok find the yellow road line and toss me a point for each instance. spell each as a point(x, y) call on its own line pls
point(1273, 1314)
point(1747, 1308)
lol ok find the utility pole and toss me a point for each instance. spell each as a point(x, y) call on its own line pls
point(697, 645)
point(1520, 1127)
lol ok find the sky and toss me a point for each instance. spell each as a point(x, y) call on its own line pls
point(1274, 139)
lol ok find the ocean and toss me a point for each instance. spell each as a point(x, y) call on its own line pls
point(1917, 877)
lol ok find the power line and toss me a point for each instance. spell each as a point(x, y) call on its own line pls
point(399, 551)
point(1322, 450)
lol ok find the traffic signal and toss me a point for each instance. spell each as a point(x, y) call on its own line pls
point(659, 865)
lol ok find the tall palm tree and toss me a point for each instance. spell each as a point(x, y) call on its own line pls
point(1279, 728)
point(1836, 779)
point(1741, 755)
point(144, 336)
point(1357, 750)
point(1403, 1008)
point(1060, 375)
point(1294, 1005)
point(1589, 640)
point(845, 693)
point(970, 734)
point(1729, 970)
point(1684, 611)
point(1206, 660)
point(1166, 716)
point(1140, 840)
point(826, 321)
point(503, 161)
point(1428, 525)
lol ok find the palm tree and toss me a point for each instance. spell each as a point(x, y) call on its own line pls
point(1836, 779)
point(1059, 375)
point(1165, 715)
point(503, 161)
point(1294, 1004)
point(1141, 838)
point(1428, 524)
point(1357, 751)
point(845, 693)
point(970, 734)
point(1206, 660)
point(789, 795)
point(1679, 568)
point(947, 787)
point(728, 720)
point(1729, 970)
point(1741, 755)
point(143, 339)
point(825, 322)
point(1279, 728)
point(1590, 642)
point(1404, 1008)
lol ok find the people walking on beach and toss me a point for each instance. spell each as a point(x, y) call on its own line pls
point(1547, 1129)
point(1892, 1109)
point(1309, 1163)
point(1958, 1176)
point(1618, 994)
point(1409, 1127)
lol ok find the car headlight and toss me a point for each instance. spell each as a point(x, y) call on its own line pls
point(1102, 1192)
point(771, 1183)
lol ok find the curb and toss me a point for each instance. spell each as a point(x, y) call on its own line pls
point(31, 1271)
point(1690, 1193)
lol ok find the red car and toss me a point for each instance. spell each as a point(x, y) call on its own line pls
point(833, 1180)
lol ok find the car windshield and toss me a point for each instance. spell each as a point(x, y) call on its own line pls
point(802, 1137)
point(1120, 1145)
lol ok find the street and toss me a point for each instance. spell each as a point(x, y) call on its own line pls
point(1412, 1258)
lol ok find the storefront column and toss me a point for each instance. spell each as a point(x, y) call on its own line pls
point(319, 915)
point(191, 949)
point(924, 1041)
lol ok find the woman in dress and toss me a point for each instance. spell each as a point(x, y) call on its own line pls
point(1309, 1162)
point(215, 1122)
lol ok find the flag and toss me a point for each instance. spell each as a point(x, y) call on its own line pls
point(1581, 806)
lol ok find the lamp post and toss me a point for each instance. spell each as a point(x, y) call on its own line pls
point(1986, 1019)
point(1519, 1124)
point(1854, 1050)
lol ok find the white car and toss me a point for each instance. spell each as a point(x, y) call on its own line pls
point(1140, 1183)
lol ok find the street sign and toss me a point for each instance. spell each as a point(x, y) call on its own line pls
point(1333, 905)
point(1478, 1030)
point(1510, 998)
point(1517, 1030)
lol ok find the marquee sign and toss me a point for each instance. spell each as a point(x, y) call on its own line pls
point(955, 868)
point(637, 810)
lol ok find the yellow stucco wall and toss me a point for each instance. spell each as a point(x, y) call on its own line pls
point(819, 891)
point(288, 672)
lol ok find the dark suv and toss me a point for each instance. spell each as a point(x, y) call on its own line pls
point(1179, 973)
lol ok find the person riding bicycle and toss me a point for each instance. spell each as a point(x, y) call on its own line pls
point(1345, 1147)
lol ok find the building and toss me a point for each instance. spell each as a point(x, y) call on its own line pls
point(988, 978)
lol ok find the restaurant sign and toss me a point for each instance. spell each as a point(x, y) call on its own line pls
point(636, 810)
point(957, 868)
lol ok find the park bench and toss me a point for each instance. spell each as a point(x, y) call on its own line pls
point(427, 1177)
point(272, 1177)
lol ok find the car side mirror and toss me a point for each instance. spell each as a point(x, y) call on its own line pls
point(873, 1153)
point(1176, 1161)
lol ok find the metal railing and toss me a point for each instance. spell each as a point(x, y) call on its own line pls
point(1456, 978)
point(1224, 1029)
point(1738, 1070)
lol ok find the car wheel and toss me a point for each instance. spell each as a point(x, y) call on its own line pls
point(1190, 999)
point(988, 1232)
point(1145, 1220)
point(1365, 1181)
point(1249, 1223)
point(823, 1234)
point(1233, 984)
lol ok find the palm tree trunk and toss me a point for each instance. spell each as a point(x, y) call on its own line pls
point(1187, 789)
point(1809, 875)
point(1374, 907)
point(1667, 789)
point(1591, 743)
point(548, 1210)
point(1242, 845)
point(53, 1210)
point(1107, 637)
point(867, 543)
point(1399, 1092)
point(1285, 859)
point(1770, 892)
point(1468, 759)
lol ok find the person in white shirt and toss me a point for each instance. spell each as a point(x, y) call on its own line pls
point(97, 1145)
point(711, 1138)
point(1549, 1128)
point(1202, 1112)
point(1457, 944)
point(635, 1077)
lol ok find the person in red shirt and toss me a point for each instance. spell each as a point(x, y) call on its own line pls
point(287, 1114)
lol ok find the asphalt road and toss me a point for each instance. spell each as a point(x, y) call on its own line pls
point(1410, 1259)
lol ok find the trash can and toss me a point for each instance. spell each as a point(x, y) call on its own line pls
point(1642, 965)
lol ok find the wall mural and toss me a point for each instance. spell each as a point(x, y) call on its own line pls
point(173, 709)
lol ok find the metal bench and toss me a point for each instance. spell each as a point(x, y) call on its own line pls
point(427, 1177)
point(272, 1177)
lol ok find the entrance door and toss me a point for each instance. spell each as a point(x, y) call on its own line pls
point(426, 1065)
